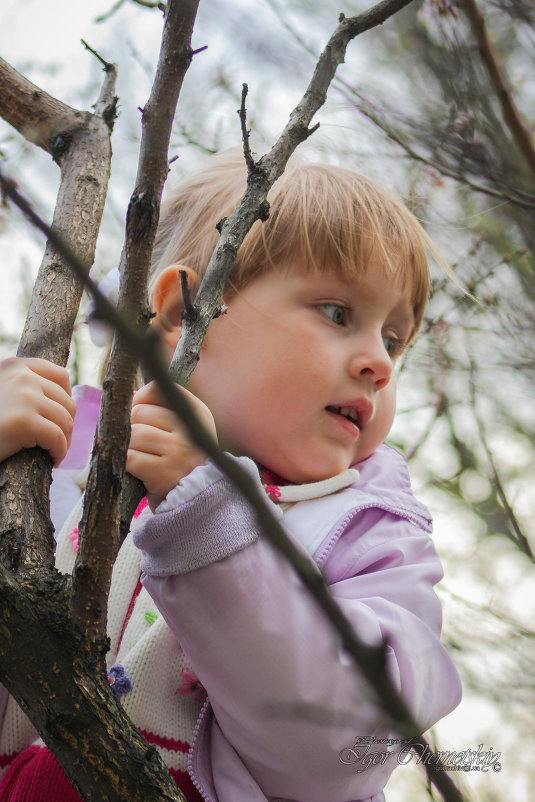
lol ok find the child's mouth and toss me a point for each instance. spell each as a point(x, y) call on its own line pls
point(348, 413)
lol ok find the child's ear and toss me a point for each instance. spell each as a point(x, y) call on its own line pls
point(167, 301)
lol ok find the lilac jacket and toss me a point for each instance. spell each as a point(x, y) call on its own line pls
point(284, 702)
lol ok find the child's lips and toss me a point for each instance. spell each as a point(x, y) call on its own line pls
point(357, 411)
point(343, 423)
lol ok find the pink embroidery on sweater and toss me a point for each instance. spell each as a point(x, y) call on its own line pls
point(272, 483)
point(73, 537)
point(273, 492)
point(191, 684)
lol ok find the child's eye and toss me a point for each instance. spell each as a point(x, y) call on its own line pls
point(335, 312)
point(393, 345)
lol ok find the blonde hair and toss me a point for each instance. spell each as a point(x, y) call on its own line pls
point(322, 218)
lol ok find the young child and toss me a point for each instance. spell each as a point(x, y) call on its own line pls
point(231, 670)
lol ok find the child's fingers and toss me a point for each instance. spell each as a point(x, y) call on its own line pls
point(153, 415)
point(149, 397)
point(36, 407)
point(58, 395)
point(50, 371)
point(149, 440)
point(45, 433)
point(148, 394)
point(142, 464)
point(48, 418)
point(161, 453)
point(29, 378)
point(57, 413)
point(163, 418)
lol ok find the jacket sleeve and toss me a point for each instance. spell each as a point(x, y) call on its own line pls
point(283, 693)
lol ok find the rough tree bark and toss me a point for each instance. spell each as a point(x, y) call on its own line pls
point(80, 143)
point(69, 718)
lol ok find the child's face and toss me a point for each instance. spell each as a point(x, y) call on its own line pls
point(293, 356)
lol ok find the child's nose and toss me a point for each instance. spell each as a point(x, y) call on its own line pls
point(371, 360)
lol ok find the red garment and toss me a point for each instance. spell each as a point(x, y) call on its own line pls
point(36, 776)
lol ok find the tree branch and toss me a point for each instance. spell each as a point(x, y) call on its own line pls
point(62, 686)
point(41, 607)
point(249, 161)
point(38, 116)
point(83, 603)
point(80, 143)
point(99, 527)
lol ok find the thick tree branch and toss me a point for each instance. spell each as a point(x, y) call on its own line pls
point(68, 672)
point(71, 705)
point(512, 116)
point(62, 686)
point(99, 528)
point(80, 143)
point(38, 116)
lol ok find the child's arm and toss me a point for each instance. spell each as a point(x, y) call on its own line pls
point(36, 407)
point(160, 452)
point(286, 699)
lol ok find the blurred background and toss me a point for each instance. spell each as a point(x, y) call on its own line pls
point(413, 106)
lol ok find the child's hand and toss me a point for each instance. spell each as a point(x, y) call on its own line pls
point(160, 452)
point(36, 408)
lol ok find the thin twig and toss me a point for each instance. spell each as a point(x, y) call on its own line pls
point(151, 4)
point(242, 111)
point(116, 6)
point(106, 64)
point(189, 311)
point(145, 3)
